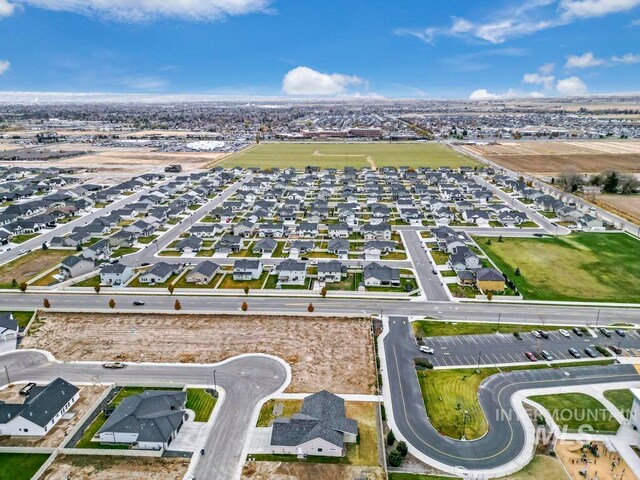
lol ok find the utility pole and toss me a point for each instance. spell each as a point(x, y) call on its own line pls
point(479, 356)
point(215, 385)
point(6, 371)
point(499, 315)
point(598, 317)
point(465, 414)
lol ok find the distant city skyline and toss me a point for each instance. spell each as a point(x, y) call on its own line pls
point(322, 49)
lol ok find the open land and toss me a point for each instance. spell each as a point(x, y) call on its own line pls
point(340, 155)
point(580, 267)
point(110, 467)
point(29, 265)
point(552, 157)
point(324, 353)
point(576, 410)
point(627, 206)
point(308, 471)
point(20, 466)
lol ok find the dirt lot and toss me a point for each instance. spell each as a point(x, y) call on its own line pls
point(627, 206)
point(28, 266)
point(601, 466)
point(110, 468)
point(553, 157)
point(330, 353)
point(308, 471)
point(89, 395)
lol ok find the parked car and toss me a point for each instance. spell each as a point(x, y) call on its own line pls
point(518, 336)
point(577, 331)
point(531, 356)
point(605, 331)
point(426, 349)
point(114, 365)
point(620, 333)
point(615, 349)
point(543, 334)
point(546, 355)
point(564, 333)
point(538, 235)
point(574, 352)
point(536, 334)
point(138, 303)
point(591, 352)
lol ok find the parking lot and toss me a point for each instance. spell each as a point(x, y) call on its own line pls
point(501, 348)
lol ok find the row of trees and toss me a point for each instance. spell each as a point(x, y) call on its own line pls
point(610, 182)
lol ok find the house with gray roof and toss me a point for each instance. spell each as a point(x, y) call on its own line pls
point(74, 266)
point(339, 247)
point(160, 273)
point(8, 328)
point(245, 269)
point(265, 245)
point(149, 420)
point(376, 275)
point(331, 272)
point(191, 244)
point(291, 272)
point(115, 274)
point(42, 410)
point(321, 428)
point(203, 273)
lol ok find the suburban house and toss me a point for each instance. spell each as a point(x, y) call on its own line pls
point(160, 273)
point(291, 272)
point(321, 428)
point(42, 410)
point(265, 245)
point(380, 231)
point(339, 230)
point(147, 421)
point(464, 259)
point(115, 274)
point(75, 266)
point(245, 269)
point(229, 244)
point(8, 327)
point(98, 251)
point(203, 273)
point(489, 280)
point(376, 275)
point(331, 272)
point(339, 247)
point(191, 244)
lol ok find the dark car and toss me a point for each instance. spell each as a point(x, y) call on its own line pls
point(518, 336)
point(543, 334)
point(615, 349)
point(546, 355)
point(577, 331)
point(531, 356)
point(138, 303)
point(590, 352)
point(538, 235)
point(145, 264)
point(605, 332)
point(620, 333)
point(574, 353)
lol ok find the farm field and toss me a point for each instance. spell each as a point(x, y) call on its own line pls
point(557, 156)
point(593, 267)
point(626, 206)
point(340, 155)
point(314, 347)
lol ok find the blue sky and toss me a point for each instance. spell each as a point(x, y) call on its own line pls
point(404, 48)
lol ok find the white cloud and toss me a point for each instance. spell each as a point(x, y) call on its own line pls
point(483, 94)
point(145, 10)
point(537, 95)
point(538, 79)
point(6, 8)
point(635, 23)
point(627, 58)
point(4, 66)
point(596, 8)
point(571, 87)
point(585, 60)
point(305, 81)
point(547, 68)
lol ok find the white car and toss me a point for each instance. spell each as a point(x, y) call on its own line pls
point(425, 349)
point(536, 334)
point(564, 333)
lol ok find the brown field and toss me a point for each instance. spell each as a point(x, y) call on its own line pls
point(308, 471)
point(95, 467)
point(552, 157)
point(324, 353)
point(29, 265)
point(627, 206)
point(89, 395)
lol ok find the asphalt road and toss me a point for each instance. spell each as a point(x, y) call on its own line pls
point(430, 283)
point(245, 380)
point(505, 439)
point(502, 348)
point(488, 312)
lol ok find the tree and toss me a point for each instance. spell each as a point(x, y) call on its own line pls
point(244, 307)
point(97, 288)
point(45, 303)
point(517, 271)
point(610, 182)
point(402, 448)
point(395, 458)
point(246, 289)
point(500, 239)
point(391, 438)
point(310, 308)
point(489, 295)
point(112, 303)
point(324, 291)
point(570, 180)
point(14, 283)
point(171, 288)
point(177, 305)
point(44, 246)
point(78, 248)
point(628, 184)
point(23, 287)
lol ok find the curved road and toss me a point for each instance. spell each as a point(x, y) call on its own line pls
point(246, 382)
point(505, 440)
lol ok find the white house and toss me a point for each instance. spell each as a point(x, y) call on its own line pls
point(244, 270)
point(115, 274)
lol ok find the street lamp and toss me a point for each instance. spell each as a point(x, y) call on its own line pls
point(465, 414)
point(598, 317)
point(479, 356)
point(215, 385)
point(499, 315)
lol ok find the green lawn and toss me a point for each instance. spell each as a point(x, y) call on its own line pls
point(147, 240)
point(594, 267)
point(23, 238)
point(182, 283)
point(340, 155)
point(459, 391)
point(289, 407)
point(229, 282)
point(575, 410)
point(622, 399)
point(201, 403)
point(427, 328)
point(89, 282)
point(124, 251)
point(22, 318)
point(20, 466)
point(441, 258)
point(349, 283)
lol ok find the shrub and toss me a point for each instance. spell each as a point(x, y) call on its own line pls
point(517, 271)
point(171, 288)
point(423, 363)
point(14, 283)
point(310, 308)
point(177, 305)
point(383, 413)
point(489, 295)
point(112, 303)
point(45, 303)
point(395, 459)
point(391, 438)
point(402, 448)
point(246, 290)
point(23, 287)
point(324, 291)
point(244, 307)
point(97, 288)
point(603, 351)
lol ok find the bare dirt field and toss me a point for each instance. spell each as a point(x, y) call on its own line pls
point(308, 471)
point(111, 467)
point(600, 467)
point(331, 353)
point(89, 395)
point(552, 157)
point(627, 206)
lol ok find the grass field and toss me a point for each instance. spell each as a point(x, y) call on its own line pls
point(22, 318)
point(592, 267)
point(576, 410)
point(340, 155)
point(427, 328)
point(28, 266)
point(20, 466)
point(201, 403)
point(622, 399)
